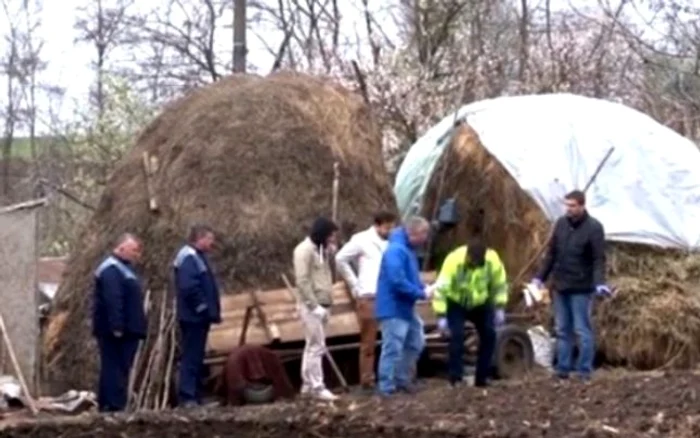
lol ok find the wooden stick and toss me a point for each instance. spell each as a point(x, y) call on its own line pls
point(326, 353)
point(336, 188)
point(150, 164)
point(163, 327)
point(246, 323)
point(544, 246)
point(443, 174)
point(139, 352)
point(144, 390)
point(169, 368)
point(261, 315)
point(17, 369)
point(334, 208)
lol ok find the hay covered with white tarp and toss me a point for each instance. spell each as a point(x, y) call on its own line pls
point(512, 161)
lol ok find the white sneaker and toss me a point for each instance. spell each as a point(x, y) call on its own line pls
point(305, 390)
point(326, 395)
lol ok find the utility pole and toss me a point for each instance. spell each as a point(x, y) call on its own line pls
point(239, 36)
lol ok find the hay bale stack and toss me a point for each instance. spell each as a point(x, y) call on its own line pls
point(654, 320)
point(489, 199)
point(251, 156)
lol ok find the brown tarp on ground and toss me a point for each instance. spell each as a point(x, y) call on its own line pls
point(253, 364)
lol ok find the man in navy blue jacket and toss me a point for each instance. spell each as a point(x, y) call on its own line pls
point(119, 321)
point(198, 307)
point(398, 288)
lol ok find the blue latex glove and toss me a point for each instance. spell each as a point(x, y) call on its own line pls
point(442, 324)
point(499, 317)
point(603, 291)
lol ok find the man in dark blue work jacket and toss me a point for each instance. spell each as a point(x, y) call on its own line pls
point(197, 308)
point(119, 321)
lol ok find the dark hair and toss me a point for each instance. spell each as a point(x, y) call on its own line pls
point(384, 217)
point(476, 252)
point(197, 231)
point(576, 195)
point(321, 230)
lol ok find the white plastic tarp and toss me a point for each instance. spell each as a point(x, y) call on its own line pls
point(648, 191)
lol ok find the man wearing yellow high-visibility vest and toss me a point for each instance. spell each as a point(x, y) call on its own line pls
point(471, 287)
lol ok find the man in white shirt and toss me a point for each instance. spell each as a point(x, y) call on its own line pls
point(358, 263)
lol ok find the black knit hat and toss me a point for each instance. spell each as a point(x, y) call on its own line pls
point(321, 230)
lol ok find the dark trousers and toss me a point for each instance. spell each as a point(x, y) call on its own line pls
point(194, 343)
point(482, 318)
point(116, 359)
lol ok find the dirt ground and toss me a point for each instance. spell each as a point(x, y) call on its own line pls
point(614, 404)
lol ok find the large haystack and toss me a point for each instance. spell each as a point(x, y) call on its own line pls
point(654, 320)
point(251, 156)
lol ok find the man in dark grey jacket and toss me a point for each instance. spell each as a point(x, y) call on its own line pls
point(576, 261)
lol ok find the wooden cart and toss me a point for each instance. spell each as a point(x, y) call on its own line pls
point(270, 318)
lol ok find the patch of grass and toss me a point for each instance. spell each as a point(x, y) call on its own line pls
point(21, 146)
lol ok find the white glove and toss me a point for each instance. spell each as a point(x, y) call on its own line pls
point(533, 293)
point(442, 325)
point(320, 312)
point(430, 290)
point(499, 317)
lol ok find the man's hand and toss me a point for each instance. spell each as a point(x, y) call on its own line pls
point(442, 325)
point(499, 317)
point(533, 292)
point(320, 312)
point(603, 291)
point(430, 290)
point(118, 334)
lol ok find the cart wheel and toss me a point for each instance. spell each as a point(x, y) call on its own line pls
point(258, 393)
point(514, 355)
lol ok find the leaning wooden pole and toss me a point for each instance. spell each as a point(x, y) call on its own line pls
point(531, 263)
point(336, 188)
point(443, 173)
point(17, 369)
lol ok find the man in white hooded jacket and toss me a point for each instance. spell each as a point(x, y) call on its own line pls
point(315, 288)
point(358, 263)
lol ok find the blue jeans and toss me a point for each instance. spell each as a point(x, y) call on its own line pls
point(402, 345)
point(572, 317)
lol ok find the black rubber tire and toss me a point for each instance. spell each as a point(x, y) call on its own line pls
point(514, 355)
point(258, 394)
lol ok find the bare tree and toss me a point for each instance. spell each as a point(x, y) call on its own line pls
point(10, 67)
point(102, 24)
point(669, 85)
point(20, 65)
point(185, 34)
point(311, 33)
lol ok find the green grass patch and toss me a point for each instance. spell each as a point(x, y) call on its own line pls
point(22, 146)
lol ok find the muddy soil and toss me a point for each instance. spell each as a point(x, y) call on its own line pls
point(613, 405)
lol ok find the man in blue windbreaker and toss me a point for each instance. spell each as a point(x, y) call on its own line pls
point(398, 288)
point(198, 307)
point(118, 321)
